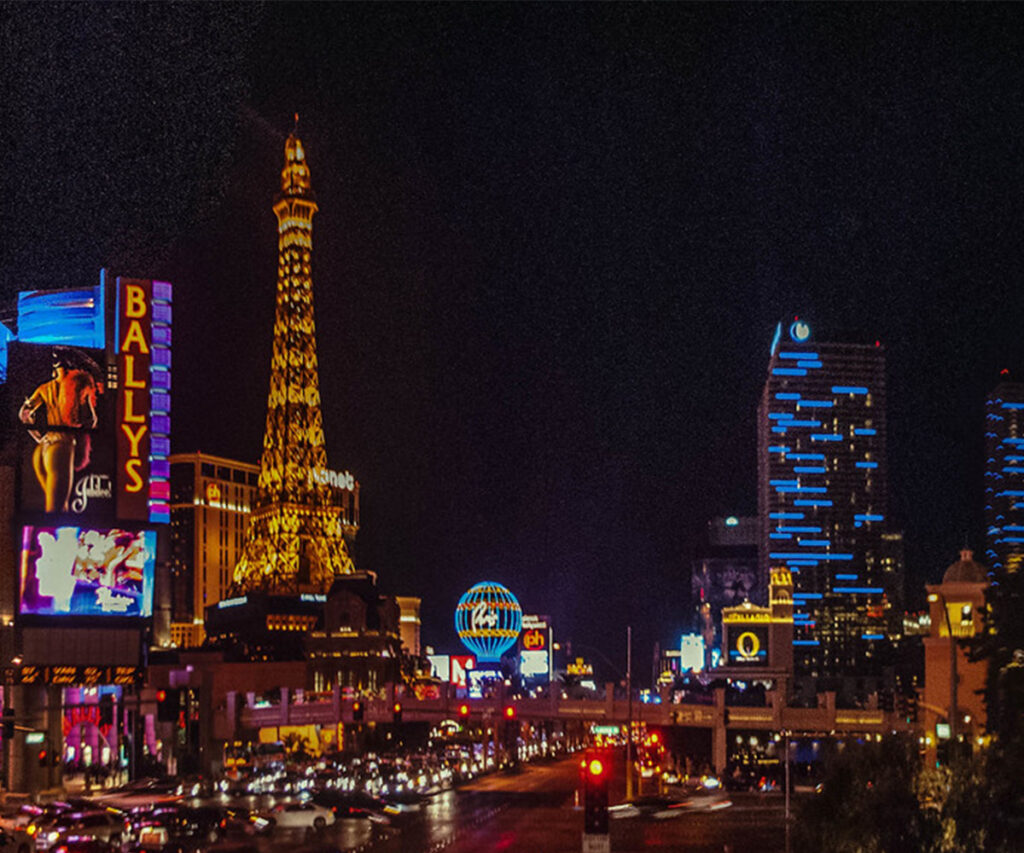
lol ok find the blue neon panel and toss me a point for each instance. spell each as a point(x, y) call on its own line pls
point(779, 429)
point(806, 643)
point(811, 364)
point(820, 456)
point(872, 636)
point(815, 543)
point(846, 577)
point(789, 529)
point(865, 431)
point(859, 590)
point(809, 502)
point(788, 371)
point(69, 317)
point(803, 423)
point(786, 395)
point(808, 469)
point(778, 448)
point(815, 404)
point(866, 464)
point(826, 436)
point(785, 515)
point(813, 355)
point(849, 389)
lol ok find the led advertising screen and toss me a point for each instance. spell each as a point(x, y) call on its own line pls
point(66, 419)
point(81, 571)
point(748, 644)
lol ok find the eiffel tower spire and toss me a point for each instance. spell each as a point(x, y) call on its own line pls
point(295, 541)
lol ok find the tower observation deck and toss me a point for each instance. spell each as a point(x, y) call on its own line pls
point(295, 541)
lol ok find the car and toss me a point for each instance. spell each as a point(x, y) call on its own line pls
point(348, 804)
point(238, 820)
point(108, 825)
point(652, 806)
point(706, 795)
point(302, 816)
point(86, 845)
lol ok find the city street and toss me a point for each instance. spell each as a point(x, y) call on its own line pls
point(533, 810)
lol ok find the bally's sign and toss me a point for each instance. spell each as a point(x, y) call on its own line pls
point(143, 399)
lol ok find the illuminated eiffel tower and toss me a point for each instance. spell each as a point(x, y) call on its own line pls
point(295, 542)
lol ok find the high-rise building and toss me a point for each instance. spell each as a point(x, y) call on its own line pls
point(1004, 475)
point(296, 538)
point(210, 502)
point(822, 500)
point(725, 574)
point(211, 498)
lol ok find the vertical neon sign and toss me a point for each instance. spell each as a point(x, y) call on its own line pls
point(143, 399)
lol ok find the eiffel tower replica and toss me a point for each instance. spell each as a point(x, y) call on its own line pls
point(295, 542)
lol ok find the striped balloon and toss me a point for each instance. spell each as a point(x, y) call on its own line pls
point(488, 620)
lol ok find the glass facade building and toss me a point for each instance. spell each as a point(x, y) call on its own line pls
point(822, 501)
point(1004, 476)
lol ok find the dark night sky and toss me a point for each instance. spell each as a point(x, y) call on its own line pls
point(553, 244)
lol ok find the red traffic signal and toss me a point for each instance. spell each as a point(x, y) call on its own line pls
point(161, 695)
point(42, 757)
point(397, 717)
point(510, 712)
point(463, 710)
point(595, 767)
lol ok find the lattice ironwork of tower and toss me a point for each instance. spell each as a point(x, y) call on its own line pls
point(295, 542)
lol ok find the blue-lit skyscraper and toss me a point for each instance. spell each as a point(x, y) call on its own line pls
point(1004, 476)
point(822, 500)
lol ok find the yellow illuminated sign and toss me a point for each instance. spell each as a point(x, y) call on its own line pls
point(744, 616)
point(748, 645)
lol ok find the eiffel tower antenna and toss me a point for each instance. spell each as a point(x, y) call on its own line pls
point(296, 537)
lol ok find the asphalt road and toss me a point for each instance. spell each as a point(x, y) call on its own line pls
point(534, 811)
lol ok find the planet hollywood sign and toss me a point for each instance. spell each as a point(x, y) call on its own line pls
point(335, 479)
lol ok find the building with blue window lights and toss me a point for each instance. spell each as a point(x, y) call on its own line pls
point(1004, 475)
point(822, 501)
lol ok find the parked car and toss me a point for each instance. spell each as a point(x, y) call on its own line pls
point(302, 816)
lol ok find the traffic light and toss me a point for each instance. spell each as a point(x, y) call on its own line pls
point(397, 712)
point(168, 705)
point(357, 711)
point(43, 758)
point(510, 712)
point(8, 723)
point(464, 713)
point(596, 771)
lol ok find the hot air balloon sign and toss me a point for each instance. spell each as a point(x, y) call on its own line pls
point(488, 620)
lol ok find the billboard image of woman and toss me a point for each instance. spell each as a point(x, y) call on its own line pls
point(60, 414)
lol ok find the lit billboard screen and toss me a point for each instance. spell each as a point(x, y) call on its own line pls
point(81, 571)
point(66, 418)
point(748, 644)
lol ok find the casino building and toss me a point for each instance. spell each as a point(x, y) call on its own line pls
point(822, 501)
point(84, 494)
point(1004, 475)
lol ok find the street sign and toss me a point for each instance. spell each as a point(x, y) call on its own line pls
point(597, 844)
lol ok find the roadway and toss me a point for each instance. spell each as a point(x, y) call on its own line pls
point(534, 810)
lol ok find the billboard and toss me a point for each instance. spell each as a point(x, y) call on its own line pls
point(535, 648)
point(82, 571)
point(748, 644)
point(66, 449)
point(143, 346)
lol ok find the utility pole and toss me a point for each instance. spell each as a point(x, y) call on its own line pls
point(629, 713)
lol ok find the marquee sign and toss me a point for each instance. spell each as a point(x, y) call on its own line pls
point(143, 399)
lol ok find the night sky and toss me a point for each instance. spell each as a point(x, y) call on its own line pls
point(553, 245)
